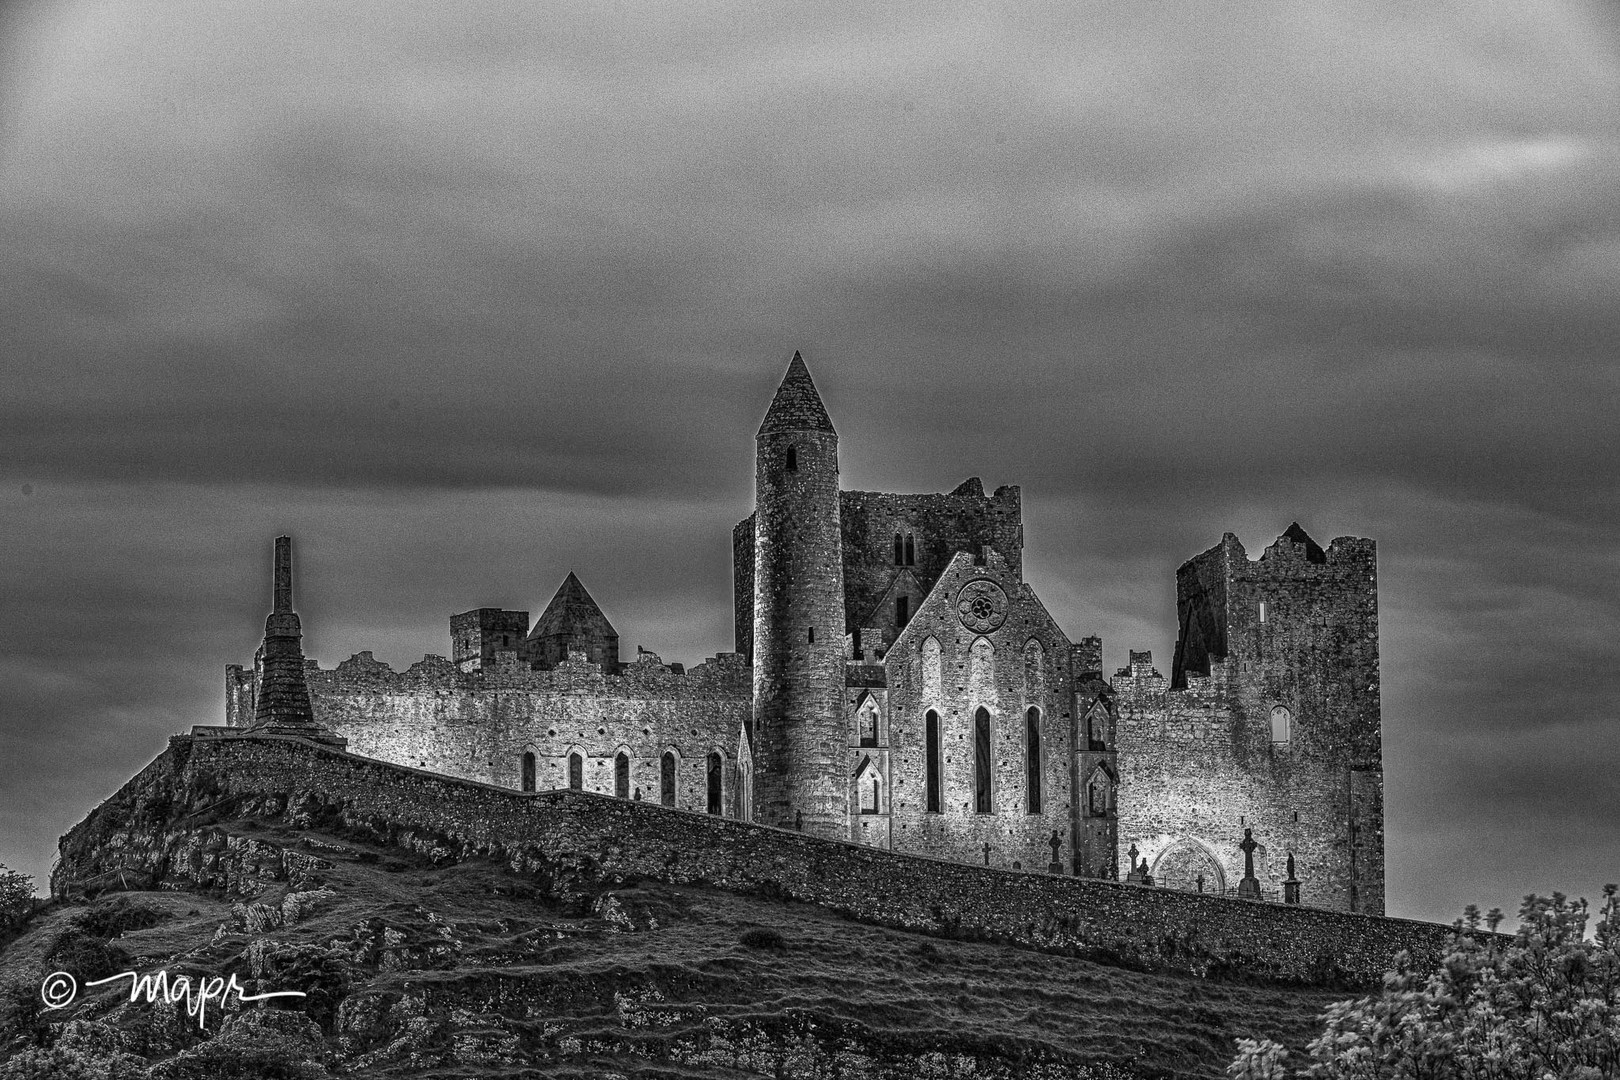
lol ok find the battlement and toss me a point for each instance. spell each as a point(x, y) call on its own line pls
point(722, 675)
point(1141, 683)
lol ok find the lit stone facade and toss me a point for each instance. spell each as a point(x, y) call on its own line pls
point(898, 684)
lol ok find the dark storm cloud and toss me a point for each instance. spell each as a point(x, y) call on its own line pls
point(467, 299)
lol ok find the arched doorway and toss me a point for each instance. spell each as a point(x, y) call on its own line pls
point(1189, 866)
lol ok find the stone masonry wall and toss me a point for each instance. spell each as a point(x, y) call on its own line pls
point(940, 525)
point(1296, 629)
point(1188, 773)
point(1007, 680)
point(478, 725)
point(147, 828)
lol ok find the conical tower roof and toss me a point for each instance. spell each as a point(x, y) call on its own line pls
point(796, 406)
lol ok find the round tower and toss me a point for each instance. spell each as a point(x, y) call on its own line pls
point(799, 739)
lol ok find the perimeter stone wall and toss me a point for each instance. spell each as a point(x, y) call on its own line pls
point(580, 837)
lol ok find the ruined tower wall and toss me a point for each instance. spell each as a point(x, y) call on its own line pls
point(742, 586)
point(939, 525)
point(477, 635)
point(1198, 758)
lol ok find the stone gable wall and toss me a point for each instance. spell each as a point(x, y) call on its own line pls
point(143, 828)
point(957, 830)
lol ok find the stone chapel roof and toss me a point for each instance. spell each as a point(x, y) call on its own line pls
point(572, 611)
point(797, 406)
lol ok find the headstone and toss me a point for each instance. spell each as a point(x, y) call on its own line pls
point(1249, 887)
point(987, 853)
point(1056, 844)
point(1137, 875)
point(1291, 886)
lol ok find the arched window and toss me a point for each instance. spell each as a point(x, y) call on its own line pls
point(528, 770)
point(899, 550)
point(982, 668)
point(621, 775)
point(1032, 758)
point(902, 611)
point(931, 662)
point(868, 720)
point(666, 779)
point(931, 755)
point(1034, 668)
point(714, 783)
point(911, 551)
point(793, 459)
point(576, 771)
point(1282, 724)
point(1098, 721)
point(981, 761)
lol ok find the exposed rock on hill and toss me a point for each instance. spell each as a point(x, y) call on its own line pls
point(468, 969)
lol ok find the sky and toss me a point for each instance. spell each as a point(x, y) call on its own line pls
point(466, 296)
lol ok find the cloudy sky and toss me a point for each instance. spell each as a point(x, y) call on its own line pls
point(465, 296)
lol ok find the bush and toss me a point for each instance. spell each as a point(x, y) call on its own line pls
point(762, 937)
point(16, 897)
point(1545, 1003)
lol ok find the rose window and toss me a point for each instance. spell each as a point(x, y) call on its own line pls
point(982, 606)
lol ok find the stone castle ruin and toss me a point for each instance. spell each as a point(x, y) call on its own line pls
point(897, 683)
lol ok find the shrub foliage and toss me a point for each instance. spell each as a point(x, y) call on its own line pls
point(1541, 1005)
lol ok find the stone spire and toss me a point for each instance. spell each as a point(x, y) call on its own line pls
point(796, 406)
point(281, 705)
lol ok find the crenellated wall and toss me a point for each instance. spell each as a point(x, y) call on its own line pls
point(478, 725)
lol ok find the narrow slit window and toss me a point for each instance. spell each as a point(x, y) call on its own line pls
point(899, 550)
point(621, 775)
point(528, 771)
point(931, 753)
point(1262, 611)
point(902, 611)
point(911, 550)
point(714, 783)
point(576, 771)
point(666, 779)
point(1032, 758)
point(812, 635)
point(793, 459)
point(981, 761)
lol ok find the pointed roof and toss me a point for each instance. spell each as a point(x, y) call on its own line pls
point(796, 406)
point(1313, 551)
point(571, 611)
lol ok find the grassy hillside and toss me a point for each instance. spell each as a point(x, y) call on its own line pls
point(468, 970)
